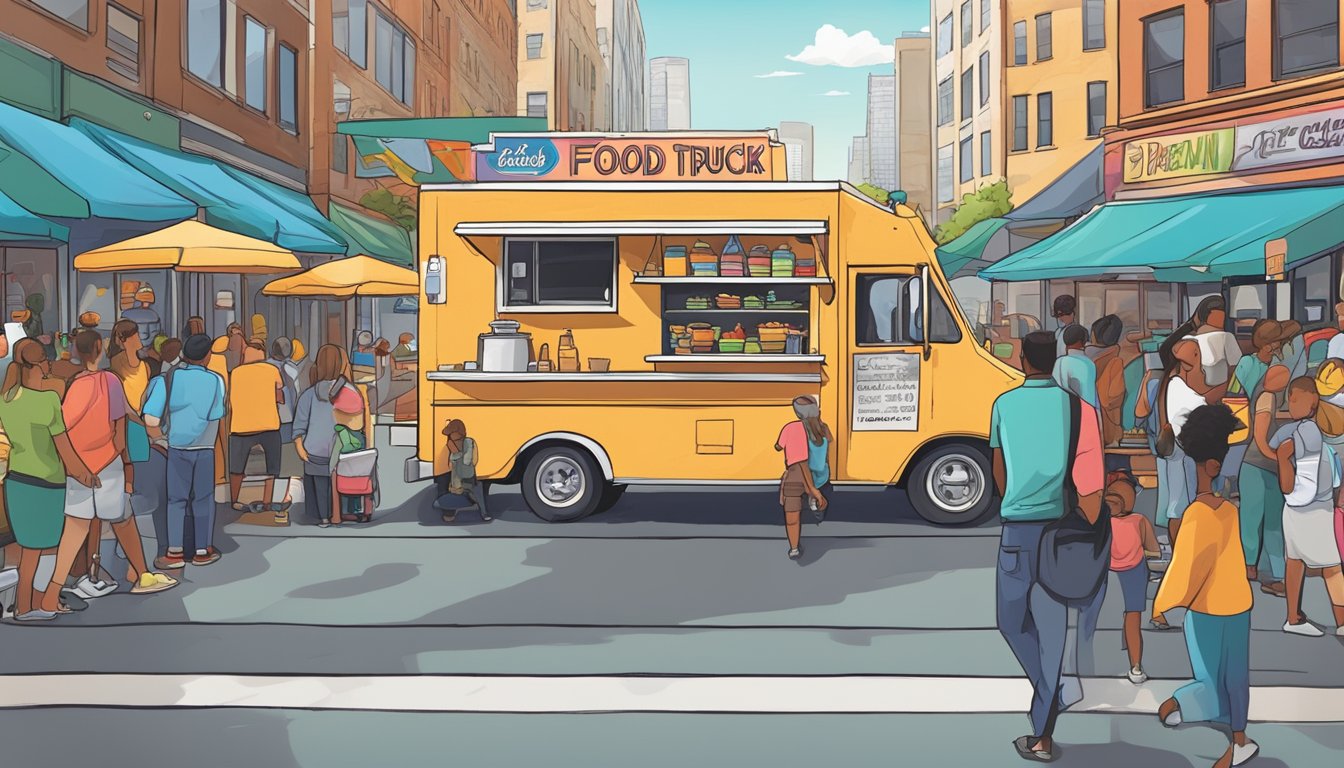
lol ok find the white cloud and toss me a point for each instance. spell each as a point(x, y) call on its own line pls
point(836, 93)
point(832, 47)
point(924, 29)
point(780, 73)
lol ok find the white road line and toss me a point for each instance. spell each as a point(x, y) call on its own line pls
point(458, 693)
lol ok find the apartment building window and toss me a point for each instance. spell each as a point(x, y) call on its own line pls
point(986, 153)
point(1045, 119)
point(205, 40)
point(1045, 44)
point(534, 46)
point(968, 93)
point(967, 30)
point(1306, 37)
point(536, 104)
point(1094, 24)
point(946, 193)
point(350, 29)
point(340, 144)
point(74, 12)
point(1096, 108)
point(1227, 44)
point(394, 59)
point(1164, 58)
point(984, 78)
point(1019, 123)
point(1019, 43)
point(536, 5)
point(288, 74)
point(254, 65)
point(945, 35)
point(945, 101)
point(984, 15)
point(123, 40)
point(966, 159)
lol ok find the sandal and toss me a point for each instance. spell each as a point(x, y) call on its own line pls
point(281, 507)
point(238, 506)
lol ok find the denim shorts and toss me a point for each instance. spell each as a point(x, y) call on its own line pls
point(1134, 587)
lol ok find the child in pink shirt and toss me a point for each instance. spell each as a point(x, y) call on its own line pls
point(1133, 541)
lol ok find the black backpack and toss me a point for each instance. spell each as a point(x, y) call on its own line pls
point(1074, 556)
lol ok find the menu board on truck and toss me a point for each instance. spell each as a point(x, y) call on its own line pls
point(886, 392)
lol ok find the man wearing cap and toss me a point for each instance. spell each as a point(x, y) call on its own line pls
point(1064, 311)
point(187, 404)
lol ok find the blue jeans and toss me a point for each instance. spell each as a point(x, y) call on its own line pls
point(191, 490)
point(1261, 511)
point(1220, 657)
point(1175, 486)
point(1034, 623)
point(151, 493)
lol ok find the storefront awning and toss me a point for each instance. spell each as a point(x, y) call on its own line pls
point(429, 149)
point(1077, 191)
point(369, 236)
point(18, 223)
point(972, 246)
point(54, 170)
point(1194, 238)
point(233, 200)
point(344, 278)
point(191, 246)
point(688, 228)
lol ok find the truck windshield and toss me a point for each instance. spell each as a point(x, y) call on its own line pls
point(887, 312)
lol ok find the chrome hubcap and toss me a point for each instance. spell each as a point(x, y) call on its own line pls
point(560, 481)
point(956, 483)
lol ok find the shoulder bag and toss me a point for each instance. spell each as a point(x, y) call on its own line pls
point(1074, 556)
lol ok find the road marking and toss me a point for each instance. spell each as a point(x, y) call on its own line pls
point(510, 694)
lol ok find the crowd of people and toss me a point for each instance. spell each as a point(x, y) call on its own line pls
point(99, 428)
point(1247, 471)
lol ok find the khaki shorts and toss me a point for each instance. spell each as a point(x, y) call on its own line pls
point(792, 490)
point(108, 503)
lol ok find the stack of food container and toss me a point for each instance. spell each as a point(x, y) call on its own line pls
point(773, 337)
point(702, 337)
point(704, 262)
point(674, 261)
point(758, 261)
point(805, 266)
point(728, 301)
point(733, 263)
point(781, 261)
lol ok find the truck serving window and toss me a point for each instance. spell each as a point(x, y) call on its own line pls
point(559, 274)
point(887, 312)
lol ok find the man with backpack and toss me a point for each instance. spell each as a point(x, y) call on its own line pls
point(1047, 447)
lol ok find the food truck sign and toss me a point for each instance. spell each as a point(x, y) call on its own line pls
point(626, 158)
point(886, 392)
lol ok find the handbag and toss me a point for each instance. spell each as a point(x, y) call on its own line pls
point(1074, 556)
point(1166, 434)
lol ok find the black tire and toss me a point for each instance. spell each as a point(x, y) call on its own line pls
point(952, 485)
point(575, 481)
point(610, 496)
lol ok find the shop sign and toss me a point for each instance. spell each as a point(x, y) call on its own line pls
point(1301, 138)
point(1178, 155)
point(745, 158)
point(886, 392)
point(1276, 260)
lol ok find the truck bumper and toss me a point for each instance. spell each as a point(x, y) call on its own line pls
point(417, 470)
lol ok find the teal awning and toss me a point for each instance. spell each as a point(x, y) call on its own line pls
point(473, 130)
point(969, 247)
point(429, 149)
point(18, 223)
point(233, 200)
point(1194, 238)
point(371, 237)
point(64, 173)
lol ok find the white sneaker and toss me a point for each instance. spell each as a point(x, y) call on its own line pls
point(89, 589)
point(1339, 631)
point(1305, 629)
point(1137, 676)
point(1241, 753)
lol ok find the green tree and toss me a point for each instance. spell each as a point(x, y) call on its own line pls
point(877, 193)
point(398, 208)
point(987, 202)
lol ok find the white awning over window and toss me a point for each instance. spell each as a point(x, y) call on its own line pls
point(589, 228)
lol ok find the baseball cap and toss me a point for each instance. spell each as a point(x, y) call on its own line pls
point(197, 347)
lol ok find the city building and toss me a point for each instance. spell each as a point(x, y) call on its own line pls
point(560, 71)
point(798, 149)
point(858, 161)
point(882, 149)
point(620, 36)
point(669, 94)
point(968, 140)
point(914, 129)
point(482, 60)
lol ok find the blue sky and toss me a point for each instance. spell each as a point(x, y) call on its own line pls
point(731, 42)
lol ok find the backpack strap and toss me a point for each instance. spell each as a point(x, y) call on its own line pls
point(167, 401)
point(1075, 419)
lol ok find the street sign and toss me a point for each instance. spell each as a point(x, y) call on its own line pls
point(1276, 260)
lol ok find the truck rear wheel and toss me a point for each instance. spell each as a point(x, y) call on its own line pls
point(951, 485)
point(561, 484)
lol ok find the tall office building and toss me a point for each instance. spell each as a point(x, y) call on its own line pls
point(858, 161)
point(882, 148)
point(620, 38)
point(669, 92)
point(914, 138)
point(561, 76)
point(798, 149)
point(967, 118)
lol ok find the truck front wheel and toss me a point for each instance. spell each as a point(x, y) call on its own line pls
point(951, 485)
point(561, 484)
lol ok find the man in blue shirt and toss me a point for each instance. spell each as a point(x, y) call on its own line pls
point(1074, 371)
point(1029, 434)
point(186, 405)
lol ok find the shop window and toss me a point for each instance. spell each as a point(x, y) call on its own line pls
point(559, 275)
point(1094, 24)
point(534, 46)
point(537, 104)
point(986, 153)
point(968, 93)
point(946, 191)
point(74, 12)
point(1019, 123)
point(123, 40)
point(966, 159)
point(393, 59)
point(205, 40)
point(984, 78)
point(1312, 289)
point(1096, 300)
point(1247, 304)
point(350, 29)
point(984, 15)
point(888, 312)
point(1227, 44)
point(30, 281)
point(1159, 307)
point(945, 101)
point(1045, 38)
point(1019, 44)
point(1096, 108)
point(967, 30)
point(945, 35)
point(289, 89)
point(254, 65)
point(1164, 58)
point(1306, 37)
point(1045, 119)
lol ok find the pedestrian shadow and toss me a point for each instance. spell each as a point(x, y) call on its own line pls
point(374, 578)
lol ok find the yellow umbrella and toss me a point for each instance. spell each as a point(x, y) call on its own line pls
point(190, 246)
point(354, 276)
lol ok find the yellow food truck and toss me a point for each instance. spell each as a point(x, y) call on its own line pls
point(608, 311)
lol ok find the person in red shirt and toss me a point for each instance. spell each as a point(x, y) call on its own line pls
point(796, 484)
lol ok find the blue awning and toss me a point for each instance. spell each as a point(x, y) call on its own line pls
point(1193, 238)
point(105, 186)
point(233, 200)
point(1077, 191)
point(18, 223)
point(969, 249)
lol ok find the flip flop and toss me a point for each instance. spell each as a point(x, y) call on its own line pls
point(281, 507)
point(238, 506)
